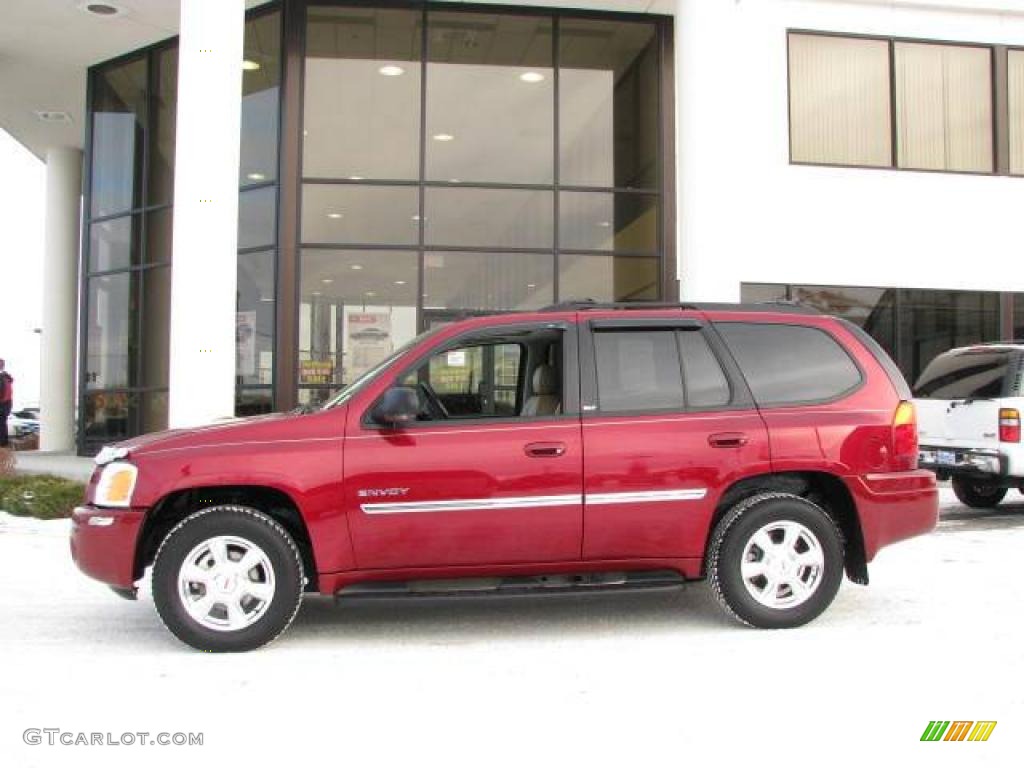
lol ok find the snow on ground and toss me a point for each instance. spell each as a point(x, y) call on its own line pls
point(619, 679)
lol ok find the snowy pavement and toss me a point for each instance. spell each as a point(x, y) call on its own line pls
point(619, 679)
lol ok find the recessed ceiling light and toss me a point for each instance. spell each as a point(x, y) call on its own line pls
point(305, 132)
point(371, 293)
point(356, 178)
point(531, 285)
point(416, 217)
point(316, 293)
point(391, 70)
point(107, 10)
point(53, 116)
point(250, 66)
point(256, 176)
point(531, 77)
point(357, 266)
point(604, 223)
point(334, 215)
point(454, 181)
point(443, 137)
point(327, 280)
point(399, 282)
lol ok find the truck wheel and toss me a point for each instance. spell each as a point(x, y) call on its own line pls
point(775, 561)
point(977, 494)
point(227, 578)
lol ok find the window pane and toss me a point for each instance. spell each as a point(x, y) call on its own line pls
point(159, 235)
point(261, 80)
point(944, 107)
point(873, 309)
point(118, 127)
point(114, 243)
point(106, 418)
point(153, 412)
point(488, 281)
point(968, 373)
point(607, 278)
point(362, 94)
point(1015, 77)
point(490, 218)
point(790, 364)
point(356, 213)
point(356, 308)
point(760, 293)
point(706, 384)
point(162, 137)
point(111, 338)
point(473, 382)
point(839, 100)
point(254, 337)
point(156, 326)
point(932, 322)
point(257, 213)
point(490, 98)
point(254, 401)
point(608, 103)
point(598, 221)
point(638, 370)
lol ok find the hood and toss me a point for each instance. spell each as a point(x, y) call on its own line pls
point(267, 428)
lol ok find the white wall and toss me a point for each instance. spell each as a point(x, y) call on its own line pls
point(747, 215)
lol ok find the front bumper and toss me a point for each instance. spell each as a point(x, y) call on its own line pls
point(103, 543)
point(894, 506)
point(947, 462)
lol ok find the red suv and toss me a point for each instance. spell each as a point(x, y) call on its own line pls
point(582, 447)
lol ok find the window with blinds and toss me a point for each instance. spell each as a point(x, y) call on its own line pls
point(850, 98)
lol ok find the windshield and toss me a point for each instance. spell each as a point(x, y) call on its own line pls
point(347, 392)
point(972, 373)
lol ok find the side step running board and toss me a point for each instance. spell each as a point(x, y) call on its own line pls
point(516, 585)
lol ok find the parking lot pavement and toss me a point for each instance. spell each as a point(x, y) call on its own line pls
point(626, 679)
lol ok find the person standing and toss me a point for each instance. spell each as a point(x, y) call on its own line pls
point(6, 402)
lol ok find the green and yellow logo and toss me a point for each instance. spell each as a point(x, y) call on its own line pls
point(958, 730)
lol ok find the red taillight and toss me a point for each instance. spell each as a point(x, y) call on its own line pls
point(904, 437)
point(1009, 425)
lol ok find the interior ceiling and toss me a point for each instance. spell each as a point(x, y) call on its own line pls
point(46, 46)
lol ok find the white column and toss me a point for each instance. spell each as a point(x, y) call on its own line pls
point(60, 300)
point(707, 181)
point(203, 280)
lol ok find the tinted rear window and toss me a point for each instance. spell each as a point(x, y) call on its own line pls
point(960, 375)
point(706, 385)
point(788, 364)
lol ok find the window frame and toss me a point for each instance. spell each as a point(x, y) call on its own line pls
point(474, 337)
point(999, 128)
point(740, 398)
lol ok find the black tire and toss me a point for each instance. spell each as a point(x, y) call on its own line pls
point(243, 523)
point(976, 494)
point(725, 556)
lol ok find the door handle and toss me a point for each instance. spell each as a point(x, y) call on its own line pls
point(727, 440)
point(544, 450)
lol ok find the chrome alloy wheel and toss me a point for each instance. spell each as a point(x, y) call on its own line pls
point(783, 564)
point(226, 583)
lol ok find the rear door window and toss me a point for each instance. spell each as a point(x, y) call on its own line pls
point(790, 364)
point(970, 373)
point(638, 371)
point(706, 384)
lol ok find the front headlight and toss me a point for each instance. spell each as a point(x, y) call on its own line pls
point(116, 485)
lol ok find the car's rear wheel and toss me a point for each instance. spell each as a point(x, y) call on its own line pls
point(227, 578)
point(976, 494)
point(775, 560)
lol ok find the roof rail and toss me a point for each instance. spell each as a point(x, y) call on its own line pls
point(580, 305)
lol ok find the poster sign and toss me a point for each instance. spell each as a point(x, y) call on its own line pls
point(316, 372)
point(369, 341)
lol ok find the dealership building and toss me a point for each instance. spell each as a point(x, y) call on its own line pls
point(250, 203)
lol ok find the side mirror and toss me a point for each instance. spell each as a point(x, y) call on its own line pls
point(398, 406)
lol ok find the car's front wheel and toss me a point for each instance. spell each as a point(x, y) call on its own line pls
point(227, 578)
point(775, 560)
point(977, 495)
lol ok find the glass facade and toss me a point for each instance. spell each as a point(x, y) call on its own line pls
point(912, 325)
point(458, 162)
point(446, 161)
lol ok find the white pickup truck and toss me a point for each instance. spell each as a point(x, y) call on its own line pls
point(969, 403)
